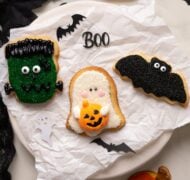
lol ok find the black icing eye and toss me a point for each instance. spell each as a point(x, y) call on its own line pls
point(95, 89)
point(156, 65)
point(96, 111)
point(36, 69)
point(163, 68)
point(90, 89)
point(86, 116)
point(25, 70)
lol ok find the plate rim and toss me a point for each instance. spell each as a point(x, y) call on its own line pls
point(155, 146)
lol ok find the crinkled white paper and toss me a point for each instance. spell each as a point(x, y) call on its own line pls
point(134, 28)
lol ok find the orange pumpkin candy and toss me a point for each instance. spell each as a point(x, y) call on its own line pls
point(91, 118)
point(162, 174)
point(146, 175)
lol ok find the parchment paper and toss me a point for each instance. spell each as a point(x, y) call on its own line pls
point(132, 28)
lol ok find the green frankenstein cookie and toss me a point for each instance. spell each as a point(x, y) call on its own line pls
point(32, 70)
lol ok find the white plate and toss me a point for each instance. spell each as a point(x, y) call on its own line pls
point(126, 163)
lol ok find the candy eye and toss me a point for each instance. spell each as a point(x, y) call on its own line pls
point(163, 68)
point(90, 89)
point(36, 69)
point(156, 65)
point(95, 89)
point(25, 70)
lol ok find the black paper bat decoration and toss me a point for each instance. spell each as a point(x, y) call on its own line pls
point(112, 147)
point(63, 3)
point(188, 2)
point(153, 77)
point(7, 150)
point(77, 18)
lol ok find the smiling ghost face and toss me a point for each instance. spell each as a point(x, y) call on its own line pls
point(94, 87)
point(92, 118)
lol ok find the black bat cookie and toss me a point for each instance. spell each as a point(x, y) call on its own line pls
point(153, 77)
point(77, 18)
point(7, 150)
point(112, 147)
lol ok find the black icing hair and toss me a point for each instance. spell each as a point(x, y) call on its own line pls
point(29, 47)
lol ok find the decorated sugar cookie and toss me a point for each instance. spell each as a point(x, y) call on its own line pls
point(32, 67)
point(155, 77)
point(94, 104)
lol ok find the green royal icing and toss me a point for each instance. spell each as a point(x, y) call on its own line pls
point(36, 81)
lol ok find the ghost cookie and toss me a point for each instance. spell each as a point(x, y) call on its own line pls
point(93, 102)
point(154, 77)
point(32, 68)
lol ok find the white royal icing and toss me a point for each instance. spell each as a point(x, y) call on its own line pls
point(104, 110)
point(76, 112)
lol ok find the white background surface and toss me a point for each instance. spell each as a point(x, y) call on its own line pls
point(176, 154)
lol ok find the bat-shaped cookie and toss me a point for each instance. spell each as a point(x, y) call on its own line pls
point(154, 77)
point(112, 147)
point(77, 18)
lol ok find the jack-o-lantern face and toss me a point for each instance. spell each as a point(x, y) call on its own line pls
point(91, 118)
